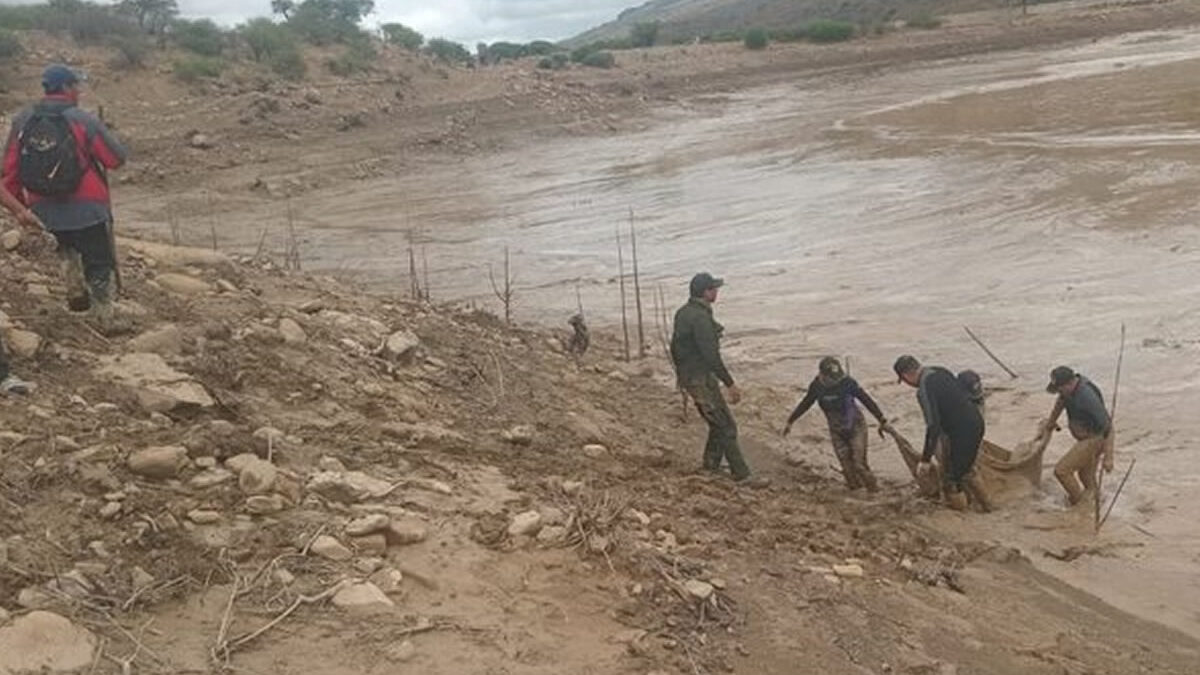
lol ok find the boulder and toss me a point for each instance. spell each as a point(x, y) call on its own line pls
point(162, 462)
point(263, 505)
point(362, 595)
point(166, 340)
point(525, 524)
point(22, 343)
point(182, 284)
point(331, 549)
point(292, 333)
point(405, 532)
point(401, 345)
point(347, 487)
point(361, 527)
point(44, 642)
point(521, 434)
point(10, 240)
point(157, 386)
point(257, 477)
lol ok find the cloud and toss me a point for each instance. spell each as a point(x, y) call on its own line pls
point(467, 21)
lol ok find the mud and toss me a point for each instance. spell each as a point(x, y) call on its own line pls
point(1041, 197)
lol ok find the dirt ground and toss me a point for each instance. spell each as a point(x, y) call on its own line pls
point(542, 514)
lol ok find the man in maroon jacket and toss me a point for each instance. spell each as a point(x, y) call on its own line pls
point(71, 198)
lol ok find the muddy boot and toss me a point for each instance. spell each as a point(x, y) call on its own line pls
point(71, 265)
point(978, 493)
point(956, 499)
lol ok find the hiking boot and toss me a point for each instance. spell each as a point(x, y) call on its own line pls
point(79, 303)
point(956, 500)
point(13, 385)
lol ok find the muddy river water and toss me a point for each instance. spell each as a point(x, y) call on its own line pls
point(1041, 198)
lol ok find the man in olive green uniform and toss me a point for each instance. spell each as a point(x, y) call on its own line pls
point(696, 351)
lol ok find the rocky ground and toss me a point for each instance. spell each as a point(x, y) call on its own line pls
point(278, 473)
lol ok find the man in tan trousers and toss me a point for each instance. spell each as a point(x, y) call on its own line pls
point(1090, 425)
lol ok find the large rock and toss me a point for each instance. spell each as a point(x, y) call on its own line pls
point(44, 642)
point(401, 345)
point(331, 549)
point(361, 527)
point(10, 240)
point(162, 462)
point(362, 595)
point(525, 524)
point(292, 333)
point(182, 284)
point(347, 487)
point(157, 386)
point(257, 477)
point(166, 340)
point(405, 532)
point(22, 343)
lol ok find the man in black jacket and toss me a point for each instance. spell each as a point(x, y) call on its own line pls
point(948, 411)
point(836, 394)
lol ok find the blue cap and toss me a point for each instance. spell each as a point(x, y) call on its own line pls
point(57, 77)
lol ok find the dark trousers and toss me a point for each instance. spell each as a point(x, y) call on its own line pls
point(722, 429)
point(94, 248)
point(961, 451)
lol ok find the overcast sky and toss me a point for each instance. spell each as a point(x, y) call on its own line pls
point(467, 21)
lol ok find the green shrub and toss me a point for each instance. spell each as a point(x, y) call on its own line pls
point(201, 37)
point(554, 62)
point(756, 38)
point(288, 63)
point(448, 51)
point(402, 36)
point(924, 20)
point(359, 57)
point(194, 68)
point(541, 48)
point(824, 31)
point(131, 51)
point(600, 60)
point(10, 46)
point(644, 34)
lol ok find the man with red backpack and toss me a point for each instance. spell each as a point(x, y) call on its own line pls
point(56, 163)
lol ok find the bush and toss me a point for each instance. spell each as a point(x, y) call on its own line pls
point(554, 62)
point(756, 38)
point(448, 51)
point(541, 48)
point(644, 34)
point(194, 68)
point(131, 51)
point(201, 37)
point(824, 31)
point(288, 63)
point(359, 57)
point(924, 20)
point(600, 60)
point(10, 46)
point(402, 36)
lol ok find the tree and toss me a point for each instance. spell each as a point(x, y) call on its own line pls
point(446, 50)
point(326, 21)
point(402, 36)
point(283, 8)
point(644, 34)
point(201, 36)
point(153, 16)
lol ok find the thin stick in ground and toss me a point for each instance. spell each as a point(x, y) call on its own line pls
point(637, 289)
point(621, 283)
point(990, 353)
point(503, 293)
